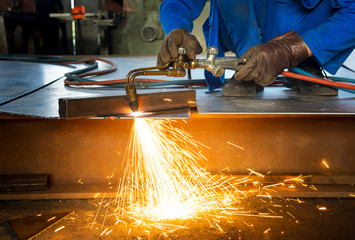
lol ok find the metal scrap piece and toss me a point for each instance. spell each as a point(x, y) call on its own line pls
point(30, 227)
point(118, 105)
point(24, 182)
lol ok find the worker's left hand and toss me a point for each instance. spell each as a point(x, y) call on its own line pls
point(178, 38)
point(266, 61)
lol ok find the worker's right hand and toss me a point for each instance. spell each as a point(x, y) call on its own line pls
point(178, 38)
point(266, 61)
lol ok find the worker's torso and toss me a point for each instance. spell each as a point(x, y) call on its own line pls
point(245, 24)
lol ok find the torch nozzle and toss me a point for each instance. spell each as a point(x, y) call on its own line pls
point(132, 97)
point(133, 105)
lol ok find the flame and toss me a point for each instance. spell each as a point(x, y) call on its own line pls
point(138, 114)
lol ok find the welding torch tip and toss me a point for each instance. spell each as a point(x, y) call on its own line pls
point(133, 105)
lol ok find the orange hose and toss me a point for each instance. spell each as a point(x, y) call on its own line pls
point(114, 66)
point(105, 82)
point(319, 81)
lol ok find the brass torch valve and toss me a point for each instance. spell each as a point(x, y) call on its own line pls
point(217, 65)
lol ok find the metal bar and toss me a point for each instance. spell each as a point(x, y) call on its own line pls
point(25, 182)
point(118, 105)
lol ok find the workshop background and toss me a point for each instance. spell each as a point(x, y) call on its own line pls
point(129, 27)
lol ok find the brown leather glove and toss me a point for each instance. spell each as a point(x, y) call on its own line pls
point(267, 61)
point(178, 38)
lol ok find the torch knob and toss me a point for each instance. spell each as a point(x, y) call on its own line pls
point(217, 71)
point(182, 51)
point(212, 50)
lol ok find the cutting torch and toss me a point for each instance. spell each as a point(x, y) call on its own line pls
point(177, 68)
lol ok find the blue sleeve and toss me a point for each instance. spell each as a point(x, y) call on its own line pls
point(333, 41)
point(180, 14)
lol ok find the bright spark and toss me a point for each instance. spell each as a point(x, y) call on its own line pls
point(325, 163)
point(162, 178)
point(256, 173)
point(103, 232)
point(274, 185)
point(235, 145)
point(294, 179)
point(58, 229)
point(50, 219)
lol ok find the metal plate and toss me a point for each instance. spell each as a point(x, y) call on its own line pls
point(276, 100)
point(44, 102)
point(20, 78)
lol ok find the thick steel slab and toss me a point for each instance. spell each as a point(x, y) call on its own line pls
point(90, 150)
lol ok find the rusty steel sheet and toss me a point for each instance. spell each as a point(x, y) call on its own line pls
point(118, 105)
point(70, 150)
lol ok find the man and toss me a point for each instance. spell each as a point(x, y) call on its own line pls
point(271, 34)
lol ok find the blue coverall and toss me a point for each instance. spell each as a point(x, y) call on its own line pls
point(327, 26)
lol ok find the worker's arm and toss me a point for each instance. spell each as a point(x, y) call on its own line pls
point(330, 43)
point(179, 14)
point(177, 19)
point(333, 41)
